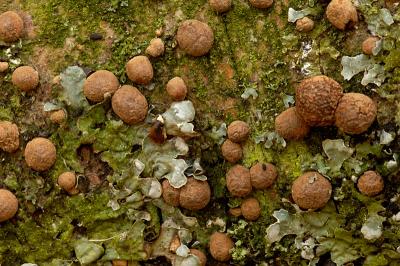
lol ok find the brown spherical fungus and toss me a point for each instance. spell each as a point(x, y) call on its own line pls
point(311, 191)
point(58, 116)
point(231, 151)
point(140, 70)
point(263, 175)
point(195, 37)
point(342, 14)
point(220, 246)
point(369, 45)
point(129, 104)
point(40, 154)
point(261, 3)
point(119, 263)
point(176, 88)
point(291, 126)
point(156, 47)
point(200, 255)
point(370, 183)
point(316, 100)
point(67, 181)
point(100, 83)
point(11, 26)
point(220, 6)
point(25, 78)
point(9, 136)
point(304, 24)
point(238, 181)
point(170, 194)
point(8, 205)
point(195, 195)
point(251, 209)
point(355, 113)
point(238, 131)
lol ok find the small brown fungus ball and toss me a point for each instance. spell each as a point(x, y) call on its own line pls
point(251, 209)
point(231, 151)
point(263, 175)
point(119, 263)
point(195, 195)
point(291, 126)
point(25, 78)
point(170, 194)
point(311, 191)
point(8, 205)
point(236, 212)
point(58, 116)
point(9, 136)
point(238, 131)
point(140, 70)
point(156, 47)
point(342, 14)
point(220, 246)
point(316, 100)
point(67, 181)
point(100, 83)
point(40, 154)
point(355, 113)
point(195, 37)
point(11, 26)
point(129, 104)
point(304, 24)
point(176, 88)
point(3, 67)
point(370, 183)
point(200, 255)
point(261, 3)
point(369, 45)
point(238, 181)
point(220, 6)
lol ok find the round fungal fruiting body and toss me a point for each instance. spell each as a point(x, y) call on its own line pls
point(140, 70)
point(119, 263)
point(11, 26)
point(342, 14)
point(238, 131)
point(58, 116)
point(291, 126)
point(3, 67)
point(195, 195)
point(236, 212)
point(129, 104)
point(369, 45)
point(370, 183)
point(316, 100)
point(9, 136)
point(67, 181)
point(251, 209)
point(261, 3)
point(8, 205)
point(200, 255)
point(40, 154)
point(220, 246)
point(304, 24)
point(156, 47)
point(195, 37)
point(263, 175)
point(311, 191)
point(220, 6)
point(355, 113)
point(170, 194)
point(100, 83)
point(25, 78)
point(176, 88)
point(238, 181)
point(231, 151)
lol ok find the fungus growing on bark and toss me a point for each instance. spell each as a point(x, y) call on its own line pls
point(195, 37)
